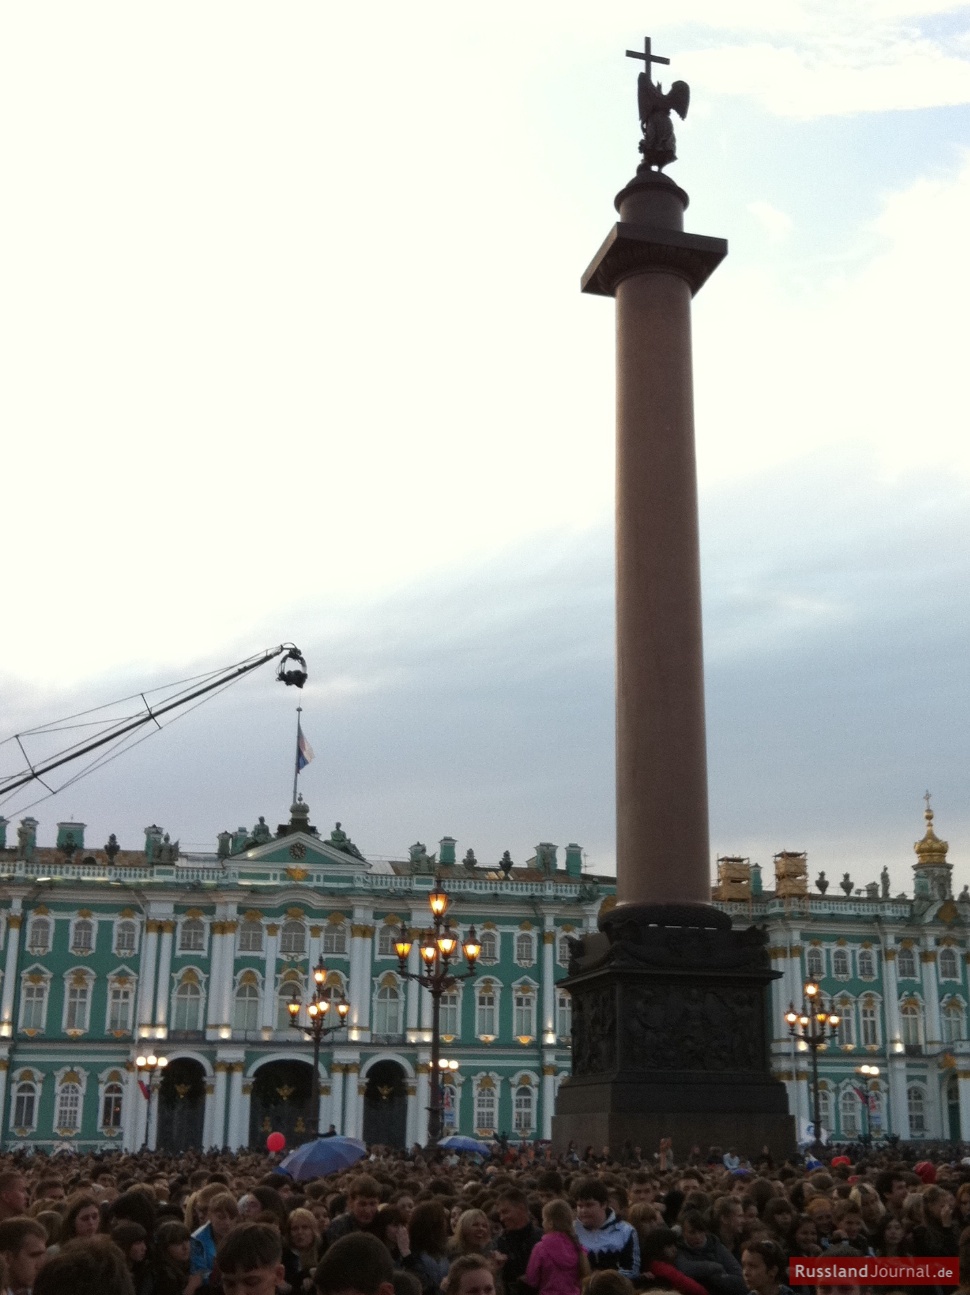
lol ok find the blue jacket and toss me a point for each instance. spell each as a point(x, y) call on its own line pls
point(614, 1245)
point(202, 1256)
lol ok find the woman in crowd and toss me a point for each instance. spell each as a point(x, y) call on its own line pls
point(658, 1258)
point(803, 1238)
point(82, 1218)
point(889, 1239)
point(424, 1249)
point(301, 1248)
point(936, 1235)
point(171, 1264)
point(472, 1235)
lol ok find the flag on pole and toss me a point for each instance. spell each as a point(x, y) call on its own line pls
point(304, 752)
point(145, 1090)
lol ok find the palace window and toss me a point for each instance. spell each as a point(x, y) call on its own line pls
point(948, 965)
point(187, 1014)
point(867, 965)
point(524, 1109)
point(449, 1014)
point(840, 964)
point(486, 1024)
point(33, 1006)
point(251, 937)
point(846, 1010)
point(562, 951)
point(815, 964)
point(39, 936)
point(485, 1109)
point(119, 1008)
point(387, 1010)
point(126, 936)
point(564, 1014)
point(76, 1009)
point(907, 964)
point(524, 1014)
point(111, 1106)
point(850, 1105)
point(192, 935)
point(449, 1112)
point(82, 939)
point(489, 953)
point(525, 949)
point(25, 1105)
point(68, 1116)
point(953, 1021)
point(825, 1109)
point(386, 938)
point(912, 1024)
point(916, 1105)
point(335, 940)
point(869, 1020)
point(245, 1008)
point(293, 939)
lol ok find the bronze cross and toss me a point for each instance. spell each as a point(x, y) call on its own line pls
point(647, 57)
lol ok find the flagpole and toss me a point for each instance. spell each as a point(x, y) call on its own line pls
point(296, 758)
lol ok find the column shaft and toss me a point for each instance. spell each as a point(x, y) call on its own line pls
point(14, 923)
point(164, 973)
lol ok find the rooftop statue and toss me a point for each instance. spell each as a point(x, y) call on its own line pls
point(658, 145)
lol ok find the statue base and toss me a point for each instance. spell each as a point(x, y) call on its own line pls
point(671, 1036)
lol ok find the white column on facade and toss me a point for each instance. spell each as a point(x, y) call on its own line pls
point(227, 976)
point(897, 1115)
point(216, 958)
point(151, 1114)
point(14, 922)
point(315, 947)
point(931, 992)
point(351, 1100)
point(963, 1090)
point(324, 1118)
point(235, 1137)
point(423, 1097)
point(548, 1095)
point(413, 1122)
point(891, 984)
point(268, 1018)
point(146, 978)
point(4, 1072)
point(164, 972)
point(361, 970)
point(130, 1109)
point(413, 992)
point(337, 1096)
point(219, 1104)
point(208, 1118)
point(547, 1025)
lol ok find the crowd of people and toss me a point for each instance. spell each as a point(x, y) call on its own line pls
point(433, 1223)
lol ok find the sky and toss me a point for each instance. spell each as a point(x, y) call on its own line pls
point(292, 348)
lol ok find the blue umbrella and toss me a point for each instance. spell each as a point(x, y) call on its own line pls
point(320, 1157)
point(458, 1142)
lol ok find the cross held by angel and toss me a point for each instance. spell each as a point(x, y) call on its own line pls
point(658, 145)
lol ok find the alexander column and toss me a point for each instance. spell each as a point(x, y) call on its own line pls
point(670, 1026)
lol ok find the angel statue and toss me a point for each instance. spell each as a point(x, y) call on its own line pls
point(658, 145)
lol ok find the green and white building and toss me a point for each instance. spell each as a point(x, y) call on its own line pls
point(109, 953)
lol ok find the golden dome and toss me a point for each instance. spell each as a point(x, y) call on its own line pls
point(931, 850)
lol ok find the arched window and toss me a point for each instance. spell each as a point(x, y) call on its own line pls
point(125, 937)
point(245, 1008)
point(251, 937)
point(386, 938)
point(387, 1010)
point(840, 964)
point(849, 1112)
point(948, 964)
point(192, 935)
point(188, 1007)
point(846, 1009)
point(869, 1021)
point(524, 1109)
point(916, 1105)
point(907, 964)
point(293, 939)
point(562, 951)
point(489, 953)
point(39, 936)
point(449, 1015)
point(815, 964)
point(825, 1109)
point(867, 965)
point(111, 1106)
point(953, 1021)
point(335, 939)
point(288, 990)
point(68, 1117)
point(524, 1014)
point(486, 1013)
point(564, 1014)
point(911, 1021)
point(486, 1109)
point(525, 949)
point(25, 1105)
point(82, 940)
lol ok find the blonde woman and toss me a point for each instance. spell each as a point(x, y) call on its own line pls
point(472, 1235)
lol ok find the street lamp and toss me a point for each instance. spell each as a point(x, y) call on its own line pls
point(317, 1009)
point(869, 1075)
point(150, 1066)
point(438, 948)
point(814, 1025)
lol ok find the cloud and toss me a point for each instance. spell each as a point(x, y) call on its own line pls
point(777, 224)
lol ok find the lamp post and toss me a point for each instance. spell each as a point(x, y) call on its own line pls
point(317, 1009)
point(814, 1026)
point(438, 946)
point(869, 1075)
point(149, 1066)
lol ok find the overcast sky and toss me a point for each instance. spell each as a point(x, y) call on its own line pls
point(293, 348)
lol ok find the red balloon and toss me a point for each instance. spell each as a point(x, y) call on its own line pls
point(275, 1142)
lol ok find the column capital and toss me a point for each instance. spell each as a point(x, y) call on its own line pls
point(889, 955)
point(14, 921)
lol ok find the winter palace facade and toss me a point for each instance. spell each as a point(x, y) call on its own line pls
point(109, 954)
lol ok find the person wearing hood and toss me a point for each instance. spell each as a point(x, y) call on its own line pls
point(558, 1263)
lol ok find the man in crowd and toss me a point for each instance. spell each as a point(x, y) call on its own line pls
point(705, 1259)
point(23, 1248)
point(357, 1264)
point(14, 1196)
point(609, 1241)
point(250, 1260)
point(363, 1202)
point(520, 1233)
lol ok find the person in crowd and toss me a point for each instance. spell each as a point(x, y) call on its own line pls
point(514, 1244)
point(609, 1242)
point(82, 1217)
point(23, 1249)
point(223, 1215)
point(357, 1264)
point(820, 1210)
point(301, 1248)
point(558, 1264)
point(363, 1202)
point(803, 1238)
point(658, 1255)
point(778, 1217)
point(765, 1267)
point(14, 1196)
point(171, 1262)
point(892, 1188)
point(132, 1240)
point(704, 1258)
point(890, 1239)
point(607, 1281)
point(727, 1223)
point(425, 1251)
point(472, 1235)
point(469, 1275)
point(936, 1235)
point(85, 1266)
point(249, 1260)
point(49, 1189)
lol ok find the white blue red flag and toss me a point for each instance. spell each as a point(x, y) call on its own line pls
point(304, 752)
